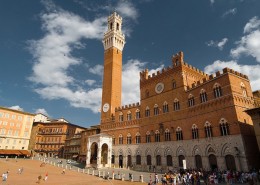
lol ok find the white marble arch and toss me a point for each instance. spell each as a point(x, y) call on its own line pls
point(100, 139)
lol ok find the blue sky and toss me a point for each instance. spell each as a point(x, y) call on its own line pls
point(51, 52)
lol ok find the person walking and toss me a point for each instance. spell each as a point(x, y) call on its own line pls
point(39, 178)
point(46, 176)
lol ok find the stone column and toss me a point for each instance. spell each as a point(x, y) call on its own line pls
point(88, 157)
point(99, 165)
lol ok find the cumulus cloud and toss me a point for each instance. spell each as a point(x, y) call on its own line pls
point(42, 111)
point(252, 71)
point(16, 107)
point(97, 70)
point(127, 9)
point(130, 81)
point(249, 44)
point(63, 33)
point(219, 44)
point(232, 11)
point(212, 2)
point(90, 82)
point(253, 24)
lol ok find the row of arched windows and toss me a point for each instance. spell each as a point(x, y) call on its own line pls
point(223, 127)
point(176, 104)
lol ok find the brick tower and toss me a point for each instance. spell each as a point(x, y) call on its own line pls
point(113, 42)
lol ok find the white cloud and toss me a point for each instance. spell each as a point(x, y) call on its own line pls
point(16, 107)
point(90, 82)
point(130, 81)
point(253, 24)
point(249, 44)
point(127, 9)
point(64, 32)
point(252, 71)
point(218, 44)
point(97, 70)
point(232, 11)
point(212, 2)
point(42, 110)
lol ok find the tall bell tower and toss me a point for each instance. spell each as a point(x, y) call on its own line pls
point(114, 41)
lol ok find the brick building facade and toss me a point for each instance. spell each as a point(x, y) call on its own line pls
point(185, 118)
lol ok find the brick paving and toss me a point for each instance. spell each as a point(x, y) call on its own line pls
point(32, 169)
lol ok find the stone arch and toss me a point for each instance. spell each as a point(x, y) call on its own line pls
point(216, 85)
point(128, 151)
point(168, 151)
point(226, 150)
point(113, 152)
point(120, 152)
point(158, 151)
point(180, 151)
point(148, 151)
point(210, 150)
point(196, 151)
point(138, 152)
point(190, 96)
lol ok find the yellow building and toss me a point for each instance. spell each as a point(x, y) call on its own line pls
point(15, 131)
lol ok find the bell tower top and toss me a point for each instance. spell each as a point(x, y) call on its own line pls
point(114, 36)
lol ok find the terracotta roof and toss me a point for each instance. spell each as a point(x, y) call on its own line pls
point(14, 152)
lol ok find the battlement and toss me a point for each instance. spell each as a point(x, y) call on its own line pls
point(195, 69)
point(124, 107)
point(116, 15)
point(214, 76)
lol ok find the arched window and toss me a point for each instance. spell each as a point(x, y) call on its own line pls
point(224, 127)
point(157, 136)
point(147, 112)
point(158, 160)
point(169, 160)
point(138, 159)
point(137, 114)
point(167, 135)
point(149, 160)
point(208, 130)
point(173, 84)
point(244, 92)
point(165, 107)
point(176, 104)
point(217, 90)
point(117, 26)
point(195, 132)
point(148, 137)
point(129, 139)
point(203, 96)
point(155, 110)
point(191, 101)
point(137, 138)
point(121, 117)
point(129, 116)
point(120, 139)
point(179, 134)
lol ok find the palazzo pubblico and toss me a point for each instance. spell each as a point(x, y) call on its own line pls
point(185, 117)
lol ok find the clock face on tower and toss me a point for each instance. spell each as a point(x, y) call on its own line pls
point(105, 107)
point(159, 88)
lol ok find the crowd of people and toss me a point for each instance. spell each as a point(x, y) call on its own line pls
point(197, 177)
